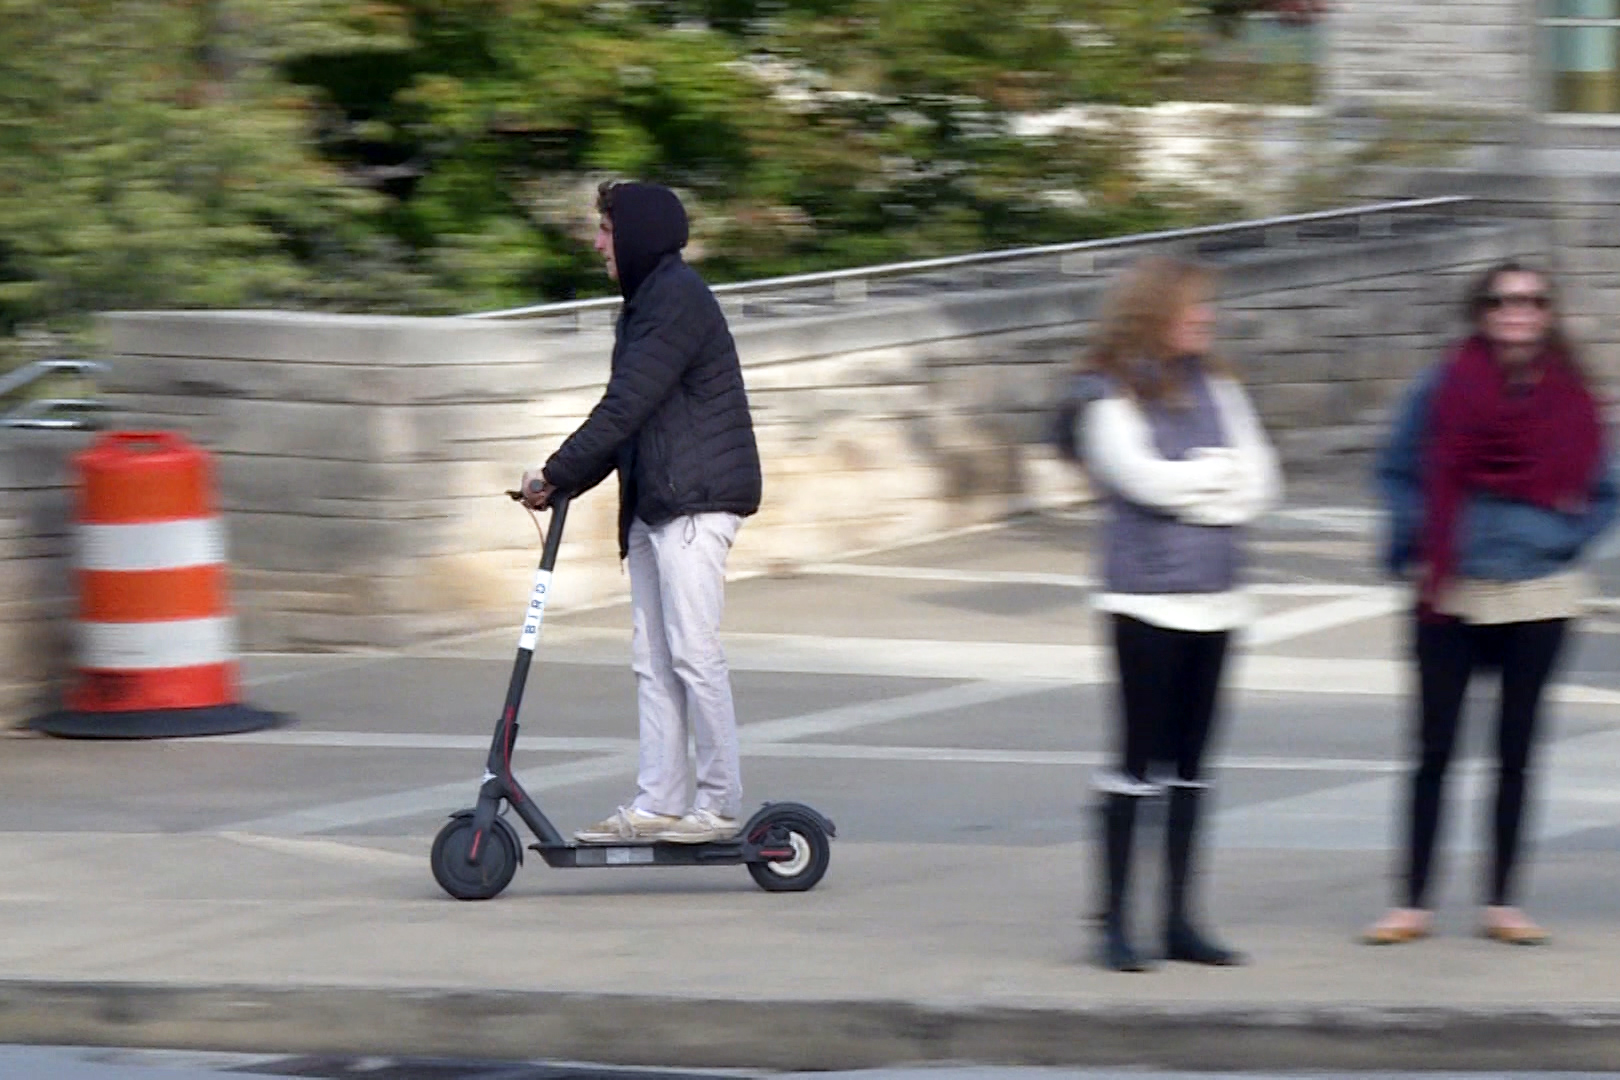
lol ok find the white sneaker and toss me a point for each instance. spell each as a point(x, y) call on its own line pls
point(627, 824)
point(698, 827)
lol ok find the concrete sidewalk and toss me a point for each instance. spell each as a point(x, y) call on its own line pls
point(272, 892)
point(903, 955)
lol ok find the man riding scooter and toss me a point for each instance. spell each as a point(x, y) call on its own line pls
point(674, 422)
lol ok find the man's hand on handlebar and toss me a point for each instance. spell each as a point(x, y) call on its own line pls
point(536, 492)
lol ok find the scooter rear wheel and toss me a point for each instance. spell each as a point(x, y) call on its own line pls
point(479, 880)
point(812, 851)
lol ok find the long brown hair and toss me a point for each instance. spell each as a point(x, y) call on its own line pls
point(1558, 343)
point(1131, 345)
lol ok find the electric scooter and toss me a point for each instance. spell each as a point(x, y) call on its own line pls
point(786, 846)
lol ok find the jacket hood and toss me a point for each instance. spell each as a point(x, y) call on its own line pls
point(649, 223)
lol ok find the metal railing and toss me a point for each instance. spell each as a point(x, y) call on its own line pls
point(801, 292)
point(50, 413)
point(1006, 267)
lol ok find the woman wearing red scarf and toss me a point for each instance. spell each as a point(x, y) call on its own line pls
point(1497, 480)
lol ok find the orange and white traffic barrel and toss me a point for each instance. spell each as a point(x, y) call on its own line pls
point(156, 653)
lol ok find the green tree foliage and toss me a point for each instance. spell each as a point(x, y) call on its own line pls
point(809, 133)
point(153, 157)
point(436, 155)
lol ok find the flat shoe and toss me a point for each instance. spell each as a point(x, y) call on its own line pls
point(1390, 934)
point(1514, 935)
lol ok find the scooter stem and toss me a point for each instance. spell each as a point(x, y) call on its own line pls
point(498, 781)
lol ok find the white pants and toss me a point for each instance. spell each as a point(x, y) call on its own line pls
point(677, 591)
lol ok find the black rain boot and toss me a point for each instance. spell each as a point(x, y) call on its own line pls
point(1119, 823)
point(1183, 941)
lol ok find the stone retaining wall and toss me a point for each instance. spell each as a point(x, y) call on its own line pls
point(362, 459)
point(36, 585)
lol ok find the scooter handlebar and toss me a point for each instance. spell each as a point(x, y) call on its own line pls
point(558, 499)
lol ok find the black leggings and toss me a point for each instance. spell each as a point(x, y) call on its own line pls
point(1169, 683)
point(1447, 655)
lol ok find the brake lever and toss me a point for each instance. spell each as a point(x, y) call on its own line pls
point(517, 497)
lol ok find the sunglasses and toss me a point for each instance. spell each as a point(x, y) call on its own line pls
point(1498, 301)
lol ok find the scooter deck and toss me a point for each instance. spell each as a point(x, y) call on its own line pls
point(655, 853)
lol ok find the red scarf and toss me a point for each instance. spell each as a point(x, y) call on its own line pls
point(1537, 441)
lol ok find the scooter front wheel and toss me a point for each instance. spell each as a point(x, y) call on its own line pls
point(483, 877)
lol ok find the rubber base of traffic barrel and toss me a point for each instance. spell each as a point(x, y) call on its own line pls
point(158, 723)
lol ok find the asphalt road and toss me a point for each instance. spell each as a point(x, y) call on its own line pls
point(59, 1063)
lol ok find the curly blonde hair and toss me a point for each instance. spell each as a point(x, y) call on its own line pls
point(1131, 345)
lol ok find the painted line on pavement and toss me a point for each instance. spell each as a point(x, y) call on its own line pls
point(449, 797)
point(857, 752)
point(615, 599)
point(1576, 794)
point(867, 714)
point(374, 740)
point(918, 658)
point(954, 755)
point(1352, 520)
point(825, 722)
point(771, 748)
point(1053, 665)
point(446, 798)
point(875, 752)
point(1062, 581)
point(323, 850)
point(991, 661)
point(1306, 589)
point(320, 664)
point(945, 574)
point(1367, 678)
point(1287, 625)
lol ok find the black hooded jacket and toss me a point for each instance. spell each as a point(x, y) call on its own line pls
point(674, 420)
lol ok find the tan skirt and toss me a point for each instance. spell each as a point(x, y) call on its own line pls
point(1556, 596)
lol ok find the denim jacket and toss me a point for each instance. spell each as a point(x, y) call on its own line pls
point(1498, 539)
